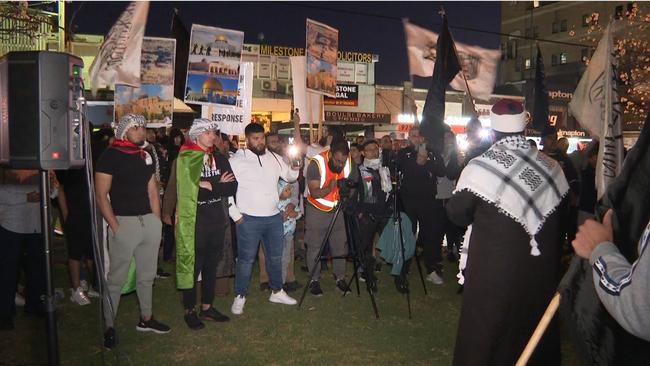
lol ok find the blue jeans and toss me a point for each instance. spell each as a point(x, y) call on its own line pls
point(249, 233)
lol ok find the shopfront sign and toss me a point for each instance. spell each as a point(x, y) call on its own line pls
point(357, 117)
point(271, 50)
point(346, 95)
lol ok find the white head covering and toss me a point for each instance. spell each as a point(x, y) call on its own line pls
point(508, 116)
point(201, 125)
point(127, 122)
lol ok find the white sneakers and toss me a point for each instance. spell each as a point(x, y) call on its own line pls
point(281, 297)
point(19, 300)
point(237, 307)
point(90, 292)
point(433, 277)
point(79, 297)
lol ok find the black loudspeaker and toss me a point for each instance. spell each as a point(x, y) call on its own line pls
point(41, 98)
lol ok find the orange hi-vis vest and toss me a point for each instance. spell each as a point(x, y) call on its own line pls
point(328, 202)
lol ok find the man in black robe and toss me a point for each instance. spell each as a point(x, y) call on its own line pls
point(509, 196)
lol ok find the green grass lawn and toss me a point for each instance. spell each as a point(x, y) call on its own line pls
point(331, 330)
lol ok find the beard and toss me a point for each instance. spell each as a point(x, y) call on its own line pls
point(139, 143)
point(258, 150)
point(333, 168)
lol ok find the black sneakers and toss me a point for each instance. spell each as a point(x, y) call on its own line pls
point(314, 288)
point(401, 284)
point(292, 286)
point(264, 286)
point(152, 325)
point(342, 285)
point(213, 315)
point(192, 321)
point(110, 338)
point(160, 273)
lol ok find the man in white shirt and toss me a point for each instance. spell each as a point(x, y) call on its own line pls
point(256, 213)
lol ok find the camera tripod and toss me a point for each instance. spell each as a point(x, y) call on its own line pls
point(357, 255)
point(401, 281)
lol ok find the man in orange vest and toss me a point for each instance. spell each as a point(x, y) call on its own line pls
point(323, 173)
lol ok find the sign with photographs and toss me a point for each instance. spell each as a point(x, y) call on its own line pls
point(232, 120)
point(154, 99)
point(346, 95)
point(322, 52)
point(213, 65)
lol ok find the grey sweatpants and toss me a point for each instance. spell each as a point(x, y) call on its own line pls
point(316, 224)
point(139, 237)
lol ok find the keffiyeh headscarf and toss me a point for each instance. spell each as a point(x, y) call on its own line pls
point(521, 182)
point(201, 125)
point(127, 122)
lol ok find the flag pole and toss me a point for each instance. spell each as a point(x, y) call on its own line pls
point(443, 13)
point(404, 21)
point(540, 330)
point(412, 106)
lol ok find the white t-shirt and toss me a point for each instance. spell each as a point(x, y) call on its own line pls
point(257, 183)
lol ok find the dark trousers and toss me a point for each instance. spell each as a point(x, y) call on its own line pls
point(15, 247)
point(208, 248)
point(169, 241)
point(368, 227)
point(427, 213)
point(449, 229)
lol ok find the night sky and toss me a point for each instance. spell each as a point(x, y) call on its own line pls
point(372, 27)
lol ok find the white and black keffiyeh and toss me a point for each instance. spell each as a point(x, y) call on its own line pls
point(528, 186)
point(200, 125)
point(127, 122)
point(524, 184)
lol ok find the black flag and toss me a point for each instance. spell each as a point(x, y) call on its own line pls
point(445, 70)
point(599, 340)
point(540, 110)
point(182, 36)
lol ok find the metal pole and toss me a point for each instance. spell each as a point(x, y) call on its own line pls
point(62, 25)
point(50, 306)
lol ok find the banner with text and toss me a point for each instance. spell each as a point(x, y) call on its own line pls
point(232, 120)
point(357, 117)
point(346, 95)
point(213, 65)
point(478, 64)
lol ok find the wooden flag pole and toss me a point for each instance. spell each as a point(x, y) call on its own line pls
point(539, 331)
point(310, 119)
point(321, 113)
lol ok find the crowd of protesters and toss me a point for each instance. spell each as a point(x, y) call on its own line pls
point(214, 207)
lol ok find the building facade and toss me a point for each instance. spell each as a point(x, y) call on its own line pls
point(573, 29)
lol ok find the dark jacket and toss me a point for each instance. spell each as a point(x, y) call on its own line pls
point(419, 181)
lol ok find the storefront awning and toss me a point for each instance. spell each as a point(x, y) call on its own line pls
point(180, 107)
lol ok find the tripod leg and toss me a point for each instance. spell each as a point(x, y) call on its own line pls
point(417, 261)
point(404, 271)
point(372, 299)
point(320, 253)
point(355, 278)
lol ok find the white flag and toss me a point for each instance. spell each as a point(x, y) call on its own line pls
point(232, 120)
point(479, 64)
point(118, 60)
point(306, 102)
point(596, 106)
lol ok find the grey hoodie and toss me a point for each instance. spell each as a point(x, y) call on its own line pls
point(624, 288)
